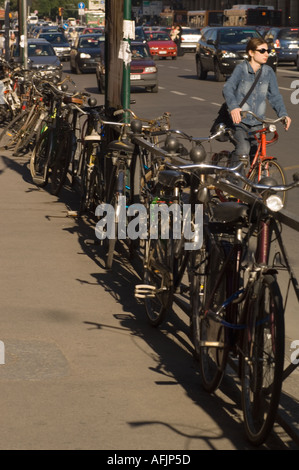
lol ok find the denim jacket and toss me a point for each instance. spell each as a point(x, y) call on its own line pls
point(239, 84)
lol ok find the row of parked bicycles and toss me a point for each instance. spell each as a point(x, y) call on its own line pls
point(205, 231)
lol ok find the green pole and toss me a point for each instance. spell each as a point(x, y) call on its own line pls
point(126, 69)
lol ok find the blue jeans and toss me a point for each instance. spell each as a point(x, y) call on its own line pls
point(245, 142)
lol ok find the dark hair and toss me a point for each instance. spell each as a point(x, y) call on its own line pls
point(253, 44)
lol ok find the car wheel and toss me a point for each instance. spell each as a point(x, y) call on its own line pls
point(297, 63)
point(201, 74)
point(218, 75)
point(154, 89)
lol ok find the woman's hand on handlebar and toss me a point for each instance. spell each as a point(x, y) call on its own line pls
point(236, 115)
point(287, 121)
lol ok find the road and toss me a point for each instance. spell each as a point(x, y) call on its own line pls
point(83, 369)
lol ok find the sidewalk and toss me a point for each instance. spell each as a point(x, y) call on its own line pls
point(83, 368)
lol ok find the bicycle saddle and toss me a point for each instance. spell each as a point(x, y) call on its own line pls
point(230, 212)
point(121, 146)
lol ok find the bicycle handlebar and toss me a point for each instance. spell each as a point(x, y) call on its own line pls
point(263, 120)
point(208, 169)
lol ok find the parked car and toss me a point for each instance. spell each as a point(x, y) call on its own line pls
point(285, 41)
point(86, 52)
point(60, 44)
point(143, 73)
point(160, 44)
point(220, 49)
point(41, 57)
point(189, 39)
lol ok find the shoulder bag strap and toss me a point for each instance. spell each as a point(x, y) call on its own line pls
point(251, 88)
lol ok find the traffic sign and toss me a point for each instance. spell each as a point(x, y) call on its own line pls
point(65, 26)
point(81, 6)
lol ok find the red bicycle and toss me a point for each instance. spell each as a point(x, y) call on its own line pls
point(262, 164)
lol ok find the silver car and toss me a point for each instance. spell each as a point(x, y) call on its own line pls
point(41, 57)
point(189, 39)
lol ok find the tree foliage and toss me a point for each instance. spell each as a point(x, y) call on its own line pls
point(49, 8)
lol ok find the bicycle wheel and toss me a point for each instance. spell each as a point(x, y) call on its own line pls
point(61, 163)
point(92, 182)
point(209, 335)
point(10, 133)
point(263, 358)
point(118, 191)
point(27, 136)
point(39, 161)
point(271, 168)
point(158, 280)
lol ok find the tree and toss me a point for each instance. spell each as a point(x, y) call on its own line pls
point(49, 7)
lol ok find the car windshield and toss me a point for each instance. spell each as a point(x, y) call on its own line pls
point(140, 52)
point(290, 35)
point(55, 38)
point(35, 50)
point(230, 36)
point(190, 31)
point(157, 36)
point(89, 42)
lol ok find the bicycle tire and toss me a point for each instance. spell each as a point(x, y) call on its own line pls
point(158, 275)
point(9, 135)
point(40, 157)
point(210, 337)
point(119, 190)
point(92, 183)
point(263, 359)
point(27, 135)
point(61, 163)
point(270, 168)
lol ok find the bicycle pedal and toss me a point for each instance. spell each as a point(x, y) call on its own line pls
point(211, 344)
point(72, 214)
point(93, 137)
point(143, 291)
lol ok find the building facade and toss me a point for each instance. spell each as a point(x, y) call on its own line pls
point(290, 8)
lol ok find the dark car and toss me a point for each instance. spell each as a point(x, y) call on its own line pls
point(220, 49)
point(140, 34)
point(285, 41)
point(143, 71)
point(44, 29)
point(60, 44)
point(41, 57)
point(86, 52)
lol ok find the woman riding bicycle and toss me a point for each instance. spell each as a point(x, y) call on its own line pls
point(236, 88)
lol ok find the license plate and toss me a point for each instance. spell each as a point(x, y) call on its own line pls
point(135, 77)
point(162, 52)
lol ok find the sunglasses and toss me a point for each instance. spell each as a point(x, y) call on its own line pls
point(262, 51)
